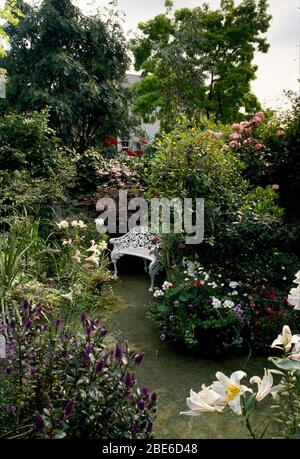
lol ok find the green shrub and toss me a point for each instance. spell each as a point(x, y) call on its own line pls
point(59, 383)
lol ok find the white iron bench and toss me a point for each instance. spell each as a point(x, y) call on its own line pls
point(139, 243)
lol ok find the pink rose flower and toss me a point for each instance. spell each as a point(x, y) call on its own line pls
point(248, 141)
point(218, 135)
point(256, 120)
point(234, 144)
point(259, 147)
point(280, 134)
point(236, 127)
point(260, 115)
point(235, 137)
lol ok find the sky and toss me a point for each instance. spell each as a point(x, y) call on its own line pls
point(278, 70)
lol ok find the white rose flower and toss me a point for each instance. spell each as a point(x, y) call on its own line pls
point(216, 303)
point(166, 285)
point(158, 294)
point(228, 304)
point(233, 285)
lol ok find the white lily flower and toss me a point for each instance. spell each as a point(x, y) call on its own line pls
point(265, 385)
point(205, 401)
point(93, 248)
point(63, 224)
point(74, 223)
point(102, 245)
point(81, 224)
point(294, 298)
point(67, 242)
point(93, 259)
point(77, 257)
point(286, 339)
point(230, 390)
point(68, 296)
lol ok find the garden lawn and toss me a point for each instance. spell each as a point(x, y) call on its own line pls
point(173, 373)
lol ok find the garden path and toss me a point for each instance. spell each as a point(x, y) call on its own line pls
point(171, 372)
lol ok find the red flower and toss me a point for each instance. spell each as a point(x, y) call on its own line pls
point(143, 142)
point(130, 153)
point(140, 152)
point(199, 283)
point(272, 296)
point(111, 141)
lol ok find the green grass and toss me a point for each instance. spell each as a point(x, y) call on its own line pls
point(172, 373)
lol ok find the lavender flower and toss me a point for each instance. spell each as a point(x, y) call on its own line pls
point(38, 311)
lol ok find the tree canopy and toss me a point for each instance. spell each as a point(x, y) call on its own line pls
point(72, 64)
point(200, 60)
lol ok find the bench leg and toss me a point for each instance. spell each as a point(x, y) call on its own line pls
point(153, 270)
point(145, 266)
point(115, 256)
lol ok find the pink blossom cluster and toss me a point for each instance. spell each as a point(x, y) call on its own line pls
point(244, 131)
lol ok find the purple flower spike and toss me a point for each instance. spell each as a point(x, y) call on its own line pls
point(103, 332)
point(154, 397)
point(135, 428)
point(100, 365)
point(38, 311)
point(8, 371)
point(26, 305)
point(89, 329)
point(128, 380)
point(138, 359)
point(141, 405)
point(27, 324)
point(144, 390)
point(39, 422)
point(149, 427)
point(58, 323)
point(69, 408)
point(118, 353)
point(84, 318)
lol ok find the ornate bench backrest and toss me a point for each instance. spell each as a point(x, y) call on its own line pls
point(140, 237)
